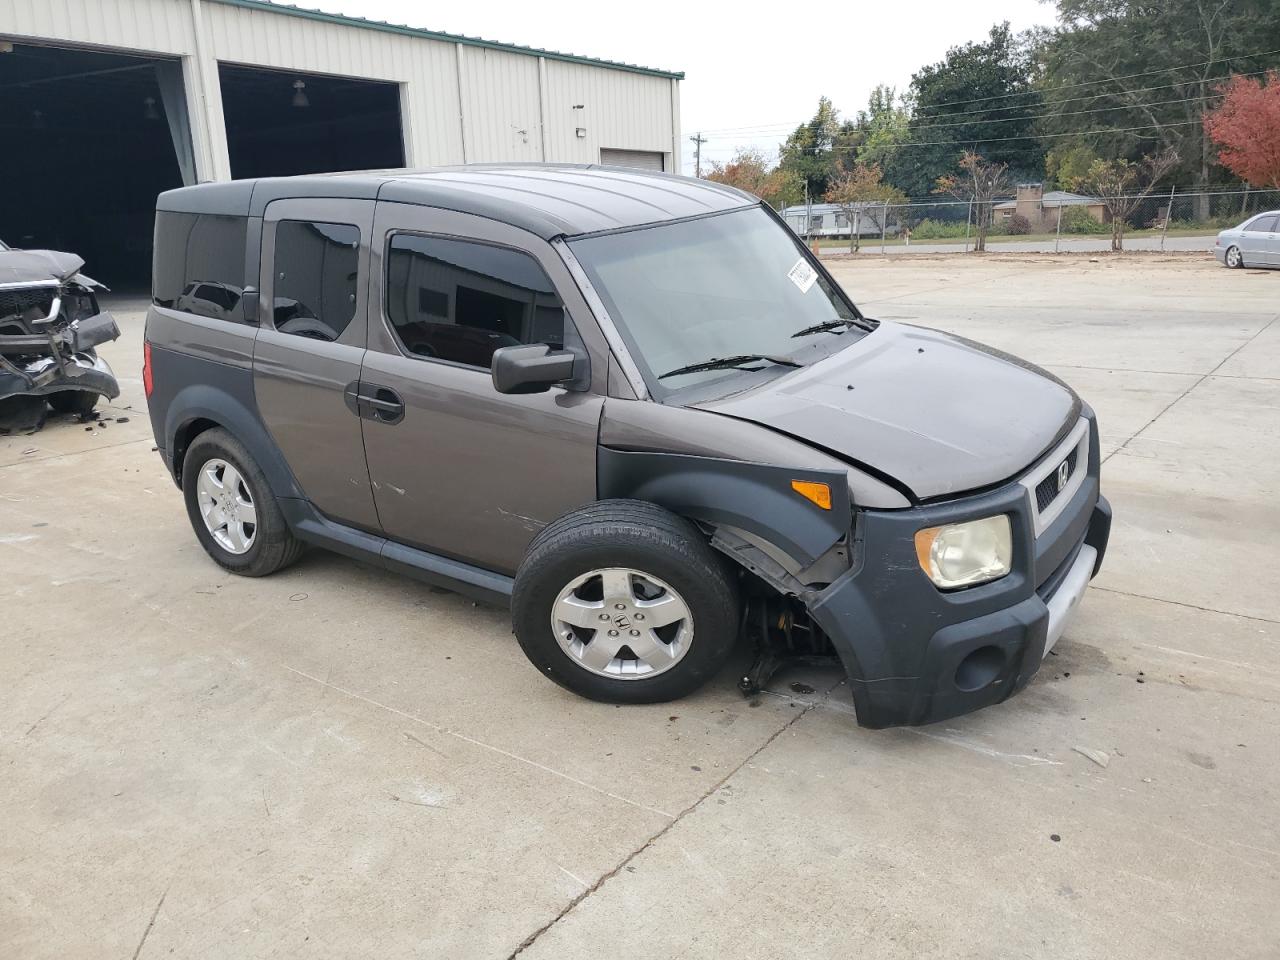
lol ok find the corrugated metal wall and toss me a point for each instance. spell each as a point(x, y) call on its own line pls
point(513, 106)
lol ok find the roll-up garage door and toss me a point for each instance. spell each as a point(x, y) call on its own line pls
point(644, 159)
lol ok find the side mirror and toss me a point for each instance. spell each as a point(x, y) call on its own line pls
point(530, 368)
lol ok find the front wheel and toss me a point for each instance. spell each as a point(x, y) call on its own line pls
point(624, 602)
point(1233, 258)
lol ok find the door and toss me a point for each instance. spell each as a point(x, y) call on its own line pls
point(641, 159)
point(1270, 242)
point(314, 293)
point(456, 467)
point(1256, 242)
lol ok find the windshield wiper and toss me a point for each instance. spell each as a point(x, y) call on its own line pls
point(828, 326)
point(728, 363)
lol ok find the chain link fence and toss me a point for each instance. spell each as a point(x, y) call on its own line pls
point(1032, 220)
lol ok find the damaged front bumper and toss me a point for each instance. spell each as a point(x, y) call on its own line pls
point(917, 655)
point(49, 332)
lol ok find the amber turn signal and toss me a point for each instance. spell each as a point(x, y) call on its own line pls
point(818, 493)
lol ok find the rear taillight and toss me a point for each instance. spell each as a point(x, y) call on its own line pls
point(147, 383)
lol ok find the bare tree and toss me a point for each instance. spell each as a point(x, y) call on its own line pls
point(980, 181)
point(1122, 185)
point(859, 193)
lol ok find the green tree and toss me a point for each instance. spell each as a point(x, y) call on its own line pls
point(883, 124)
point(1068, 162)
point(1161, 63)
point(980, 97)
point(814, 148)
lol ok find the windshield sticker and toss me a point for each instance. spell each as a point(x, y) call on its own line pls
point(802, 275)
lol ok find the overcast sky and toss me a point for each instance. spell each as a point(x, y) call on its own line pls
point(752, 72)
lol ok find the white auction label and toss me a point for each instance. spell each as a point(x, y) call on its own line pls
point(802, 275)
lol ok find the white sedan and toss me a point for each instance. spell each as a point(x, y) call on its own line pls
point(1255, 243)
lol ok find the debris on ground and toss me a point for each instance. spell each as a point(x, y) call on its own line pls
point(1100, 757)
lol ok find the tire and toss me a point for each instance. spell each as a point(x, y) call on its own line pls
point(664, 561)
point(1233, 258)
point(268, 544)
point(77, 402)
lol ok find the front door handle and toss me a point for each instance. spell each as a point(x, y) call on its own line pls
point(374, 402)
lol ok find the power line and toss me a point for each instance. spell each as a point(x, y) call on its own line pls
point(765, 127)
point(1028, 136)
point(1130, 76)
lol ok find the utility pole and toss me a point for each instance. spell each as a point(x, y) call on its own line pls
point(698, 140)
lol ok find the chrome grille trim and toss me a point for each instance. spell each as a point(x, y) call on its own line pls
point(1078, 441)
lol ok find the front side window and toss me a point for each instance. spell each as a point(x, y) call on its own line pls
point(198, 265)
point(315, 278)
point(730, 285)
point(459, 301)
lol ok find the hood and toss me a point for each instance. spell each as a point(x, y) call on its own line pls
point(937, 413)
point(33, 266)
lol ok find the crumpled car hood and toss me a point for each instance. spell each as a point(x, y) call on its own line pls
point(35, 266)
point(939, 414)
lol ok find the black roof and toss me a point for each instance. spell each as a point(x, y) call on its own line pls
point(551, 200)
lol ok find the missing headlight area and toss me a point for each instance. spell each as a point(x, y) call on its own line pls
point(50, 327)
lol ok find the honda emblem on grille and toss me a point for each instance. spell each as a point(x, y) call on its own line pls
point(1064, 473)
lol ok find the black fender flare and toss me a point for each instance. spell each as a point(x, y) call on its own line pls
point(754, 497)
point(219, 406)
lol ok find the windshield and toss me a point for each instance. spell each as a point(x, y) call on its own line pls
point(733, 285)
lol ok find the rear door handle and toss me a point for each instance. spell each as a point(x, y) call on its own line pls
point(374, 402)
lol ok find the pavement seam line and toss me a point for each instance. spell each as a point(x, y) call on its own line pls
point(75, 453)
point(1203, 377)
point(445, 731)
point(1183, 603)
point(605, 878)
point(151, 923)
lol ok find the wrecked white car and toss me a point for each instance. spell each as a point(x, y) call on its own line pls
point(50, 325)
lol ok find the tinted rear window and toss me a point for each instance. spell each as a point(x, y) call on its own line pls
point(199, 264)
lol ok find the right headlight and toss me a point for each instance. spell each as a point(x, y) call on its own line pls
point(964, 554)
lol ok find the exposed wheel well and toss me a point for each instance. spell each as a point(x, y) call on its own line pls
point(182, 440)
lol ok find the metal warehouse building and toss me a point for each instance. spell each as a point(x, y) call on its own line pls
point(105, 103)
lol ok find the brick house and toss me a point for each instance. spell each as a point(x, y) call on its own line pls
point(1041, 209)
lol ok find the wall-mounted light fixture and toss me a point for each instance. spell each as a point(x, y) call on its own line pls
point(300, 95)
point(150, 112)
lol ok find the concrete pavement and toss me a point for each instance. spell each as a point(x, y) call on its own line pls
point(337, 762)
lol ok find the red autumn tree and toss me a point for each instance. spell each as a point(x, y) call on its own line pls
point(1246, 129)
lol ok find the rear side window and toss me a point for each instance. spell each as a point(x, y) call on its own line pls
point(460, 301)
point(199, 264)
point(315, 278)
point(1263, 224)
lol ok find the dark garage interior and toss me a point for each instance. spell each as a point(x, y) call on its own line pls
point(283, 123)
point(86, 150)
point(88, 144)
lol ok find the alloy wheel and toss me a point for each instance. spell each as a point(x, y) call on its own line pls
point(622, 623)
point(226, 504)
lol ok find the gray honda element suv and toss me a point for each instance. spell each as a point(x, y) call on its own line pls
point(634, 407)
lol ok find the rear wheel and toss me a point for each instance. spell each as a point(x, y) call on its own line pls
point(625, 602)
point(231, 507)
point(1233, 258)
